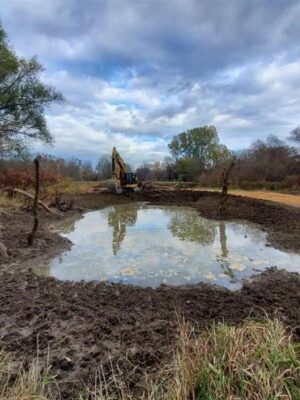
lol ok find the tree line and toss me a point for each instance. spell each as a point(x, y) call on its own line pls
point(271, 163)
point(198, 156)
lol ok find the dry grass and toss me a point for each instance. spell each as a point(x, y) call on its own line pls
point(16, 383)
point(254, 361)
point(66, 187)
point(70, 187)
point(7, 202)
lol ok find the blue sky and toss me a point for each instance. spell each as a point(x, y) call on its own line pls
point(136, 72)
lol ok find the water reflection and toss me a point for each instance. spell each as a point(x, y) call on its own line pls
point(148, 245)
point(223, 257)
point(119, 219)
point(186, 226)
point(68, 225)
point(182, 225)
point(223, 239)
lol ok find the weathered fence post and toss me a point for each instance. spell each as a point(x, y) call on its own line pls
point(35, 210)
point(225, 184)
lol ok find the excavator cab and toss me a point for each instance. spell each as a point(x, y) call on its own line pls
point(130, 178)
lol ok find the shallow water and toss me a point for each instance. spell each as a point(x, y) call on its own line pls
point(146, 245)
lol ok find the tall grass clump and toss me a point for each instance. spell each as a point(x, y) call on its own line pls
point(256, 360)
point(18, 383)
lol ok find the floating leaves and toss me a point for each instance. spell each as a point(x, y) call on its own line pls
point(237, 266)
point(129, 271)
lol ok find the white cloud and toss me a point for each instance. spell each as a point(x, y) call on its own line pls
point(137, 72)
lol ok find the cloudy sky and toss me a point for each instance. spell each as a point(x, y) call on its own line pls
point(136, 72)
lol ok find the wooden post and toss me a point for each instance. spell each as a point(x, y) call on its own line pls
point(225, 184)
point(35, 202)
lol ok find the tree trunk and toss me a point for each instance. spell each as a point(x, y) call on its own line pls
point(35, 202)
point(225, 184)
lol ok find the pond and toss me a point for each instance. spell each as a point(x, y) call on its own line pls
point(147, 245)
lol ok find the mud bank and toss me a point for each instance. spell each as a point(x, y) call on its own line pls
point(82, 323)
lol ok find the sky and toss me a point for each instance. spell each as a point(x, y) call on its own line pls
point(137, 72)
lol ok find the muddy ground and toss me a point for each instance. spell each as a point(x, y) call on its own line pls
point(82, 323)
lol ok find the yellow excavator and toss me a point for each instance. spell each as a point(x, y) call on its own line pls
point(121, 179)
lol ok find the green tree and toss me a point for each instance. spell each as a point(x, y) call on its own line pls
point(201, 143)
point(23, 99)
point(188, 168)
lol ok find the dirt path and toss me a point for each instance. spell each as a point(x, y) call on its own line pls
point(288, 199)
point(283, 198)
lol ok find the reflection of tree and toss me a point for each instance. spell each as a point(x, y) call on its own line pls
point(224, 262)
point(68, 225)
point(188, 226)
point(223, 239)
point(119, 218)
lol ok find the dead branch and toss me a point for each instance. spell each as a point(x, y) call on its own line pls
point(32, 197)
point(225, 184)
point(35, 202)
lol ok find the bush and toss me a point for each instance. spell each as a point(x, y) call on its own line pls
point(273, 186)
point(24, 178)
point(252, 185)
point(291, 182)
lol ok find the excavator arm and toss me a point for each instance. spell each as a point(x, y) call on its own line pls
point(122, 180)
point(118, 165)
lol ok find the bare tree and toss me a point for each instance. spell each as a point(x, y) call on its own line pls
point(35, 202)
point(225, 184)
point(295, 136)
point(104, 167)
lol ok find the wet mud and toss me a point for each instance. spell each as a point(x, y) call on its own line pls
point(83, 325)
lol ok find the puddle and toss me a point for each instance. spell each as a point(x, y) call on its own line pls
point(146, 245)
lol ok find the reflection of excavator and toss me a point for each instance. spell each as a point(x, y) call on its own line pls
point(119, 218)
point(121, 179)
